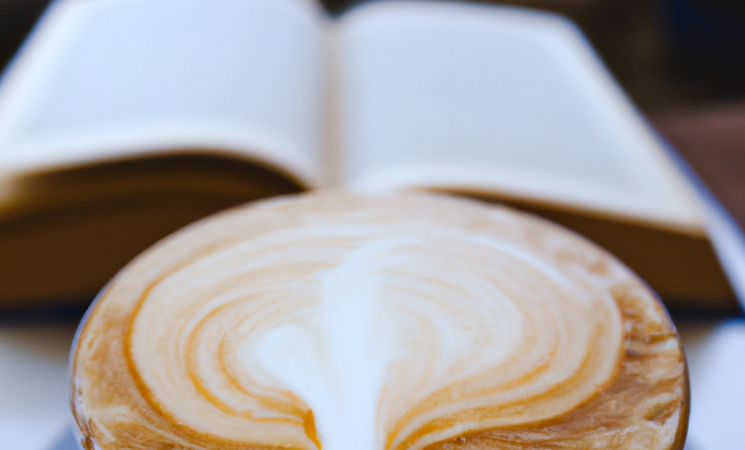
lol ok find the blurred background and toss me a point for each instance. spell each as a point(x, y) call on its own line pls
point(683, 64)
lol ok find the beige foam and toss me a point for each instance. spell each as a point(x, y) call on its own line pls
point(340, 321)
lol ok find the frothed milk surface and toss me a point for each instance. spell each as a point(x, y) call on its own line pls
point(341, 322)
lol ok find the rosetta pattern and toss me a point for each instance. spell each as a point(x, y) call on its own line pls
point(375, 331)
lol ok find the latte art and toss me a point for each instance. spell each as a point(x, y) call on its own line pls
point(340, 322)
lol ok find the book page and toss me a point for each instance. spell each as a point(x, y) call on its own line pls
point(122, 121)
point(119, 78)
point(501, 102)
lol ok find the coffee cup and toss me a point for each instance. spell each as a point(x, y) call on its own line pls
point(335, 321)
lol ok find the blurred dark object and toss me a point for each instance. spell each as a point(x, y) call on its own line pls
point(66, 313)
point(16, 19)
point(338, 6)
point(705, 43)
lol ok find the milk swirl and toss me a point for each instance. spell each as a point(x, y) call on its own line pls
point(339, 322)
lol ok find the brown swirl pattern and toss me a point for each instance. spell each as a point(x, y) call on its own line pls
point(406, 322)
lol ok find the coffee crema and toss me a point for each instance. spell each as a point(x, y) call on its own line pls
point(335, 321)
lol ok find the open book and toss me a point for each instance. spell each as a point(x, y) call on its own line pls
point(123, 120)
